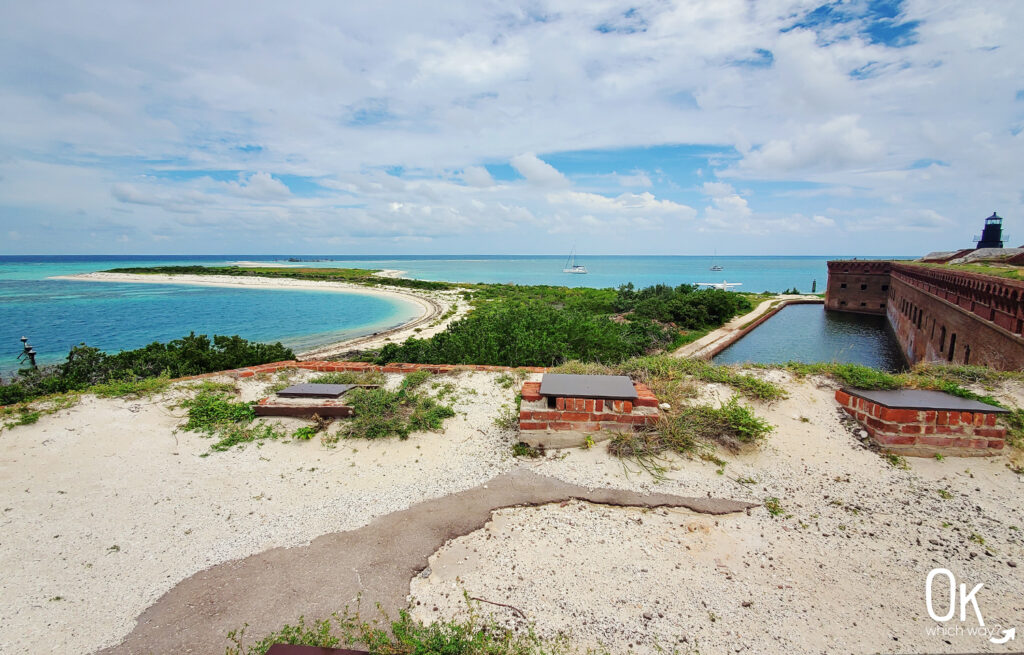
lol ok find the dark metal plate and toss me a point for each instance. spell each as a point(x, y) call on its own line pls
point(918, 399)
point(613, 387)
point(315, 390)
point(287, 649)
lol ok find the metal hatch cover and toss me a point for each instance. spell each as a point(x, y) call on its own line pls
point(310, 390)
point(612, 387)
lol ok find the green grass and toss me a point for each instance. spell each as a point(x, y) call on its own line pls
point(138, 388)
point(774, 506)
point(350, 377)
point(407, 636)
point(1010, 272)
point(929, 376)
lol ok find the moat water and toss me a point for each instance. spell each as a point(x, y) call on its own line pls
point(807, 333)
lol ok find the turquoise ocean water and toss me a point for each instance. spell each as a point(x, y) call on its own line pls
point(57, 314)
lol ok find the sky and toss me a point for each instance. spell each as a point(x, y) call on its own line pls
point(859, 127)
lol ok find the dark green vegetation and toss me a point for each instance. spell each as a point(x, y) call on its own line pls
point(352, 275)
point(545, 326)
point(405, 636)
point(540, 325)
point(133, 371)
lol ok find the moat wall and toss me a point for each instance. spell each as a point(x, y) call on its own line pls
point(937, 315)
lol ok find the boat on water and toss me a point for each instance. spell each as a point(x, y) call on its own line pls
point(723, 285)
point(714, 264)
point(572, 267)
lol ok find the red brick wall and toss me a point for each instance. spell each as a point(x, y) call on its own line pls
point(927, 306)
point(584, 414)
point(931, 328)
point(924, 433)
point(844, 291)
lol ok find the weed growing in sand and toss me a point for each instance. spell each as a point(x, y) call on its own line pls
point(230, 422)
point(693, 432)
point(131, 388)
point(774, 506)
point(407, 636)
point(379, 413)
point(27, 418)
point(896, 461)
point(350, 377)
point(305, 433)
point(944, 494)
point(523, 449)
point(1014, 428)
point(507, 418)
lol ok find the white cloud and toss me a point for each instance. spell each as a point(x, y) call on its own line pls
point(259, 185)
point(837, 144)
point(537, 171)
point(339, 93)
point(477, 176)
point(624, 205)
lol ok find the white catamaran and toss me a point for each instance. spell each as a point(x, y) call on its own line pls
point(571, 266)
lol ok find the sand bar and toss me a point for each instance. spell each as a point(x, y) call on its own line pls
point(430, 306)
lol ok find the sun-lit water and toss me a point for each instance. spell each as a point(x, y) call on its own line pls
point(807, 333)
point(57, 314)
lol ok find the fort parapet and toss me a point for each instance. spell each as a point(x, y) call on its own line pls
point(937, 314)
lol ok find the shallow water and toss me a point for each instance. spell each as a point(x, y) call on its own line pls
point(807, 333)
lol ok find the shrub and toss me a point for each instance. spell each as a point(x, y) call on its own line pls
point(529, 334)
point(87, 366)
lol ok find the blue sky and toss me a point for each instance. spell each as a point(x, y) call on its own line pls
point(772, 127)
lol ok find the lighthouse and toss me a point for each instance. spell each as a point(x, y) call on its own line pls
point(992, 235)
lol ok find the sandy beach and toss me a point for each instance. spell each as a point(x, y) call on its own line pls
point(106, 500)
point(431, 306)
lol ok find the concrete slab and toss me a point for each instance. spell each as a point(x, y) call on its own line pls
point(372, 565)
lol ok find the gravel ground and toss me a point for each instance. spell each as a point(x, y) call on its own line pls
point(105, 507)
point(841, 570)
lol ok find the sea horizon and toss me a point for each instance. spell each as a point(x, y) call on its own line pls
point(57, 314)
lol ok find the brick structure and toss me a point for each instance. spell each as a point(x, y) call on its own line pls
point(937, 314)
point(861, 287)
point(562, 422)
point(924, 432)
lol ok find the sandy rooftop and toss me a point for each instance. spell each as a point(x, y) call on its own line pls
point(105, 507)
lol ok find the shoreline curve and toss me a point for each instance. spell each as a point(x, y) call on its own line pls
point(429, 307)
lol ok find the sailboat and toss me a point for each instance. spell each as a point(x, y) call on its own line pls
point(571, 266)
point(714, 266)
